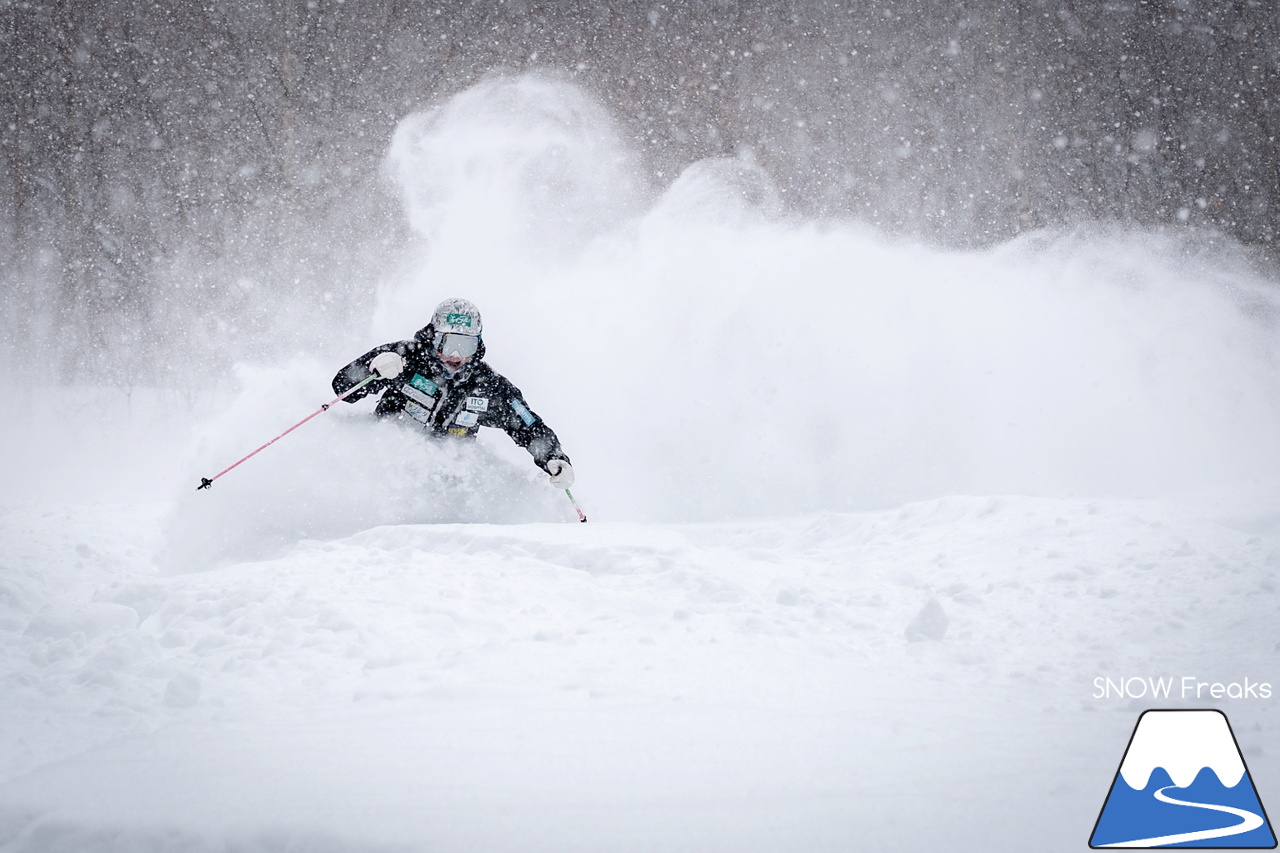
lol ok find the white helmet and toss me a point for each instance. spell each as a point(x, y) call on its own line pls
point(456, 316)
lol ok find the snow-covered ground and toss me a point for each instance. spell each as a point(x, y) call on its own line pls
point(767, 684)
point(556, 686)
point(867, 521)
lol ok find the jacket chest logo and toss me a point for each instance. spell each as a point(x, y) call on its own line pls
point(421, 390)
point(477, 404)
point(424, 384)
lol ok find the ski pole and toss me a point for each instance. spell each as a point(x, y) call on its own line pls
point(576, 508)
point(206, 482)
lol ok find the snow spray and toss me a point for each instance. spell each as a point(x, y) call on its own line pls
point(704, 356)
point(207, 482)
point(729, 361)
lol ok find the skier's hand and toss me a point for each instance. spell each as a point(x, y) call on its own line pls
point(561, 473)
point(387, 364)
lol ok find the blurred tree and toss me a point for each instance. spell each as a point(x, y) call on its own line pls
point(194, 172)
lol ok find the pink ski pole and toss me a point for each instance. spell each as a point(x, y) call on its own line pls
point(581, 516)
point(206, 482)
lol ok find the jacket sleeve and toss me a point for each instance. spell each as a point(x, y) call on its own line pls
point(526, 429)
point(357, 371)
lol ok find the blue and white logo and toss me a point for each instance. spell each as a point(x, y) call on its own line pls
point(523, 411)
point(1183, 783)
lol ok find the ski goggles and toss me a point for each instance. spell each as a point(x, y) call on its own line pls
point(451, 344)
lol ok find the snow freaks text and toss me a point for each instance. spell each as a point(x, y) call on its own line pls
point(1186, 687)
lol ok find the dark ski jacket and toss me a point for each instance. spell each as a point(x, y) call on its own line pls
point(458, 405)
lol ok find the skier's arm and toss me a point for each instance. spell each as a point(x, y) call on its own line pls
point(357, 371)
point(541, 442)
point(526, 429)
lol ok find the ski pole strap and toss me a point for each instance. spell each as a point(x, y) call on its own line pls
point(576, 508)
point(206, 482)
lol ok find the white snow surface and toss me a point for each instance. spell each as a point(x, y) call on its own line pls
point(791, 439)
point(558, 686)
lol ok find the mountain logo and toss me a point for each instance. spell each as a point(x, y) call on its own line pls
point(1183, 783)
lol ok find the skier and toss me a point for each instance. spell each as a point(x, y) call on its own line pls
point(439, 380)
